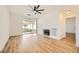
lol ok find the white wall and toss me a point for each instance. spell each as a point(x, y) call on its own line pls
point(61, 26)
point(4, 26)
point(51, 18)
point(15, 25)
point(70, 25)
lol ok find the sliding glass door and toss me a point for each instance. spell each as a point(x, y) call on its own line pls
point(29, 26)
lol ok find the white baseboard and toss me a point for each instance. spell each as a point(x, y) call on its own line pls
point(55, 37)
point(15, 35)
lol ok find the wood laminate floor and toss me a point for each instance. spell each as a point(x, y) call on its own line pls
point(33, 43)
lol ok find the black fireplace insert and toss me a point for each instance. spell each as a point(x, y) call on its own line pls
point(46, 32)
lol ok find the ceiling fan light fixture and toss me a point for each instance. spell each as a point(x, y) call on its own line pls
point(36, 9)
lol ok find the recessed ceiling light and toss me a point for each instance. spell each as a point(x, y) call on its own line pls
point(68, 12)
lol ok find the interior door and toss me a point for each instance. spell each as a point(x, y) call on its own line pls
point(70, 25)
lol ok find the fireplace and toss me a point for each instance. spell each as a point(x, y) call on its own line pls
point(46, 32)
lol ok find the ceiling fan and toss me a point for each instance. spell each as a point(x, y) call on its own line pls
point(36, 9)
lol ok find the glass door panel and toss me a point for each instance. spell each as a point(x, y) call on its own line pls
point(29, 26)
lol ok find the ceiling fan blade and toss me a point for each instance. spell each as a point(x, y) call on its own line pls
point(30, 6)
point(38, 12)
point(41, 10)
point(34, 8)
point(38, 6)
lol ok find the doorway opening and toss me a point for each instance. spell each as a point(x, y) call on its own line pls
point(71, 28)
point(29, 26)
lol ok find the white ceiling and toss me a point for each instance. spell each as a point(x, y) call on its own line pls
point(23, 10)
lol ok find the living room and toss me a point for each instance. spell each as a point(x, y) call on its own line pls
point(50, 23)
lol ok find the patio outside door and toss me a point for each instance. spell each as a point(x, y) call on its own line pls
point(29, 26)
